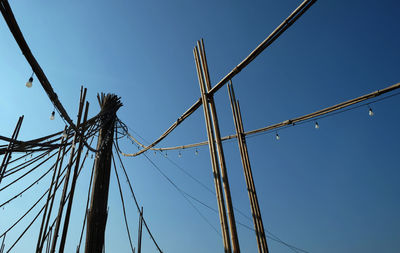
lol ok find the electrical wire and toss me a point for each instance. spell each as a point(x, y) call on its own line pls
point(123, 204)
point(134, 198)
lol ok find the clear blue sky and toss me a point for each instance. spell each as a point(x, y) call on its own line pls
point(334, 189)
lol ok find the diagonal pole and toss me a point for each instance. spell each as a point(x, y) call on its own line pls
point(7, 155)
point(251, 190)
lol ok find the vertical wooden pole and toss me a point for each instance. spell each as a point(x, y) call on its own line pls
point(140, 231)
point(255, 209)
point(213, 154)
point(224, 174)
point(7, 155)
point(97, 214)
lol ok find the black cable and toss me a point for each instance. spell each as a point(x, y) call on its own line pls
point(25, 164)
point(37, 166)
point(272, 236)
point(123, 205)
point(183, 193)
point(134, 197)
point(86, 209)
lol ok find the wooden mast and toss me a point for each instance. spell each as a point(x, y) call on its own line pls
point(97, 213)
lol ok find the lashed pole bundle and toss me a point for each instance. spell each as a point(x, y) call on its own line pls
point(97, 214)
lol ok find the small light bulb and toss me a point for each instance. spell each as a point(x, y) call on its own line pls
point(370, 112)
point(316, 125)
point(91, 156)
point(73, 145)
point(277, 136)
point(196, 152)
point(166, 154)
point(52, 115)
point(179, 154)
point(64, 134)
point(29, 83)
point(155, 153)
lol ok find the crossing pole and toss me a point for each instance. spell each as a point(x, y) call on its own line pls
point(97, 214)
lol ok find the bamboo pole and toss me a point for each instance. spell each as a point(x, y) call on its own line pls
point(73, 184)
point(257, 206)
point(67, 176)
point(39, 244)
point(240, 144)
point(52, 199)
point(258, 225)
point(213, 154)
point(221, 156)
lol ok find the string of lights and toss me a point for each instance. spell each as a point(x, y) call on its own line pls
point(326, 112)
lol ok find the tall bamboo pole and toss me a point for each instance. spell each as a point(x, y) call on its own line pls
point(39, 242)
point(52, 201)
point(213, 154)
point(67, 176)
point(97, 214)
point(73, 184)
point(224, 174)
point(255, 209)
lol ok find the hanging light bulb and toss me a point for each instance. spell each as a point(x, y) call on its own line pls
point(64, 134)
point(91, 156)
point(277, 136)
point(29, 83)
point(196, 152)
point(179, 154)
point(53, 113)
point(166, 154)
point(155, 153)
point(370, 112)
point(316, 125)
